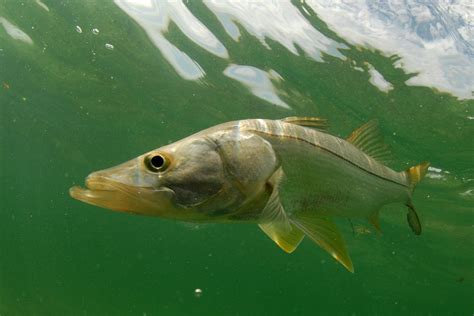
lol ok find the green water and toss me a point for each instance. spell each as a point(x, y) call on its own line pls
point(70, 106)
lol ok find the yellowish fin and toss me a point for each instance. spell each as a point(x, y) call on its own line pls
point(307, 121)
point(369, 139)
point(324, 233)
point(288, 232)
point(414, 175)
point(276, 224)
point(287, 237)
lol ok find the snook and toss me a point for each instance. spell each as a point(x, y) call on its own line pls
point(288, 176)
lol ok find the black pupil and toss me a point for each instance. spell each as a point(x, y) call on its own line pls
point(157, 161)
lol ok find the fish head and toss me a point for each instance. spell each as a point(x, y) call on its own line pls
point(189, 180)
point(201, 178)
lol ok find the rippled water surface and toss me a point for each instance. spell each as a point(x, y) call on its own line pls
point(88, 84)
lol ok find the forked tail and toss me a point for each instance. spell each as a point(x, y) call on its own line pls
point(414, 175)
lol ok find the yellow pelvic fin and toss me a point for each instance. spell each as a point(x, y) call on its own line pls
point(307, 121)
point(369, 139)
point(288, 232)
point(324, 233)
point(275, 221)
point(288, 237)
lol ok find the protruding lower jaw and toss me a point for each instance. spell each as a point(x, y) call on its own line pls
point(106, 193)
point(102, 192)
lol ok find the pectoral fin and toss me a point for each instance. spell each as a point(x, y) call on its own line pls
point(325, 233)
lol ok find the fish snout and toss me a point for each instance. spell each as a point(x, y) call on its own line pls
point(96, 181)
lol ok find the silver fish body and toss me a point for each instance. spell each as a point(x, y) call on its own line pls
point(283, 175)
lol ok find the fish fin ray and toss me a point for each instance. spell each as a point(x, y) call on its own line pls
point(308, 121)
point(413, 219)
point(287, 237)
point(369, 139)
point(416, 173)
point(275, 221)
point(324, 233)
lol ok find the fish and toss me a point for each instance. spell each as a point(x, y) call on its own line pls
point(290, 177)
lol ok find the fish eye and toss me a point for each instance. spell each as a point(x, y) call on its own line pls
point(156, 162)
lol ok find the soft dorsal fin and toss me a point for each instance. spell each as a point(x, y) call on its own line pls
point(369, 139)
point(325, 233)
point(307, 121)
point(275, 222)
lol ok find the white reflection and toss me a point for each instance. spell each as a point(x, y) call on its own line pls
point(437, 173)
point(434, 38)
point(154, 17)
point(378, 80)
point(280, 21)
point(41, 4)
point(15, 32)
point(258, 82)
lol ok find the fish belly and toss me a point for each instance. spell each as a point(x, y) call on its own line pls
point(320, 181)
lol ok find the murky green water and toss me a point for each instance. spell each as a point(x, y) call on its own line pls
point(71, 104)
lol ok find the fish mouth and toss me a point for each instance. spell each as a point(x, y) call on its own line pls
point(106, 193)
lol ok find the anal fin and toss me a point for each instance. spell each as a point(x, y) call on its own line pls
point(324, 233)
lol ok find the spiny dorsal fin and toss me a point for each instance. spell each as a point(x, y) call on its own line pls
point(307, 121)
point(369, 139)
point(325, 233)
point(275, 222)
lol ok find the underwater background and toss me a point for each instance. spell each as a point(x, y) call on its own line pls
point(86, 85)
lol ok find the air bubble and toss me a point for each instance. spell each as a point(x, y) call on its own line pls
point(198, 293)
point(95, 31)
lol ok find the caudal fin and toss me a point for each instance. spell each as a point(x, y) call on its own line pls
point(415, 174)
